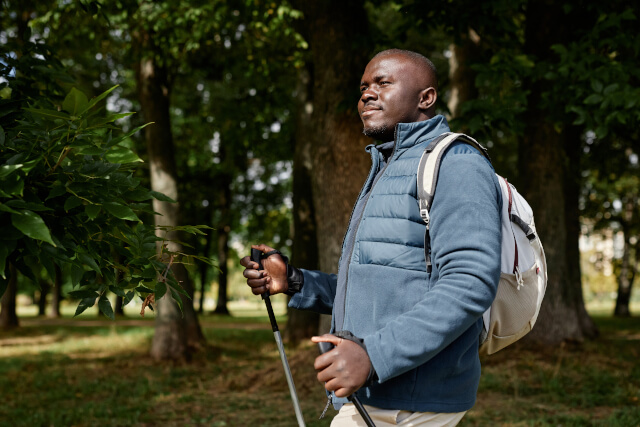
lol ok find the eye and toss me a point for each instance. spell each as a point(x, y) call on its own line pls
point(385, 83)
point(363, 88)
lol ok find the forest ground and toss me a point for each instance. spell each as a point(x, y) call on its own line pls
point(92, 371)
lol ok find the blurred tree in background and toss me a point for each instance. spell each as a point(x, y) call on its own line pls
point(255, 130)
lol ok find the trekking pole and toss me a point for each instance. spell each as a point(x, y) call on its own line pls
point(327, 346)
point(256, 256)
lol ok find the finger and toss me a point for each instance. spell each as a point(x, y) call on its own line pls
point(254, 283)
point(325, 375)
point(331, 385)
point(259, 290)
point(323, 361)
point(327, 338)
point(263, 248)
point(247, 263)
point(253, 274)
point(343, 392)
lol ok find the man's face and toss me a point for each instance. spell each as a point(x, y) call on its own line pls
point(390, 94)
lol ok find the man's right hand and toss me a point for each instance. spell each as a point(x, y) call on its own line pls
point(274, 276)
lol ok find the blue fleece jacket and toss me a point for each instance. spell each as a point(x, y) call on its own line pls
point(420, 329)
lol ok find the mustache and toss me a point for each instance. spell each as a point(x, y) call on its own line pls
point(370, 105)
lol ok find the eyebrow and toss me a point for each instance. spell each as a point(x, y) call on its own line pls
point(376, 79)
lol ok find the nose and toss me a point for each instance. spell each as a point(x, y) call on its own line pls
point(368, 95)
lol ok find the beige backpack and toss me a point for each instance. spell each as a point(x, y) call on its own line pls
point(523, 278)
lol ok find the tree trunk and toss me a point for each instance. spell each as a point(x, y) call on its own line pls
point(8, 315)
point(550, 187)
point(223, 273)
point(461, 76)
point(340, 50)
point(627, 270)
point(45, 287)
point(56, 294)
point(119, 307)
point(176, 332)
point(223, 228)
point(303, 324)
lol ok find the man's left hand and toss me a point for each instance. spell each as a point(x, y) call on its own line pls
point(345, 368)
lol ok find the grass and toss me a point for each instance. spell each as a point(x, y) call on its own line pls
point(95, 372)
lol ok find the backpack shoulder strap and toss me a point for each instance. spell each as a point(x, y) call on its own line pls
point(430, 165)
point(428, 176)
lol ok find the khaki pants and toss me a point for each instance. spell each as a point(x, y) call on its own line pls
point(348, 416)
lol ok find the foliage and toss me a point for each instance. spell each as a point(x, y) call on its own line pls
point(69, 200)
point(233, 68)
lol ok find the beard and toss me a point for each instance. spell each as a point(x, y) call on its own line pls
point(380, 133)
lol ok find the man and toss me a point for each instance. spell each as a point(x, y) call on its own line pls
point(406, 338)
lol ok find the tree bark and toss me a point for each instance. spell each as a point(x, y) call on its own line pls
point(204, 269)
point(223, 273)
point(461, 75)
point(56, 294)
point(8, 315)
point(546, 156)
point(223, 229)
point(45, 287)
point(176, 332)
point(303, 324)
point(628, 270)
point(340, 50)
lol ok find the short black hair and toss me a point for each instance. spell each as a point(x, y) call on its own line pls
point(418, 59)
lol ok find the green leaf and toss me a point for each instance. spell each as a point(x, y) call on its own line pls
point(128, 298)
point(75, 102)
point(57, 190)
point(72, 202)
point(105, 307)
point(83, 293)
point(117, 290)
point(85, 303)
point(176, 297)
point(144, 290)
point(76, 274)
point(596, 85)
point(127, 135)
point(92, 211)
point(5, 249)
point(594, 98)
point(98, 98)
point(5, 208)
point(14, 186)
point(8, 169)
point(32, 225)
point(88, 260)
point(611, 88)
point(52, 114)
point(121, 211)
point(120, 154)
point(2, 137)
point(162, 197)
point(161, 289)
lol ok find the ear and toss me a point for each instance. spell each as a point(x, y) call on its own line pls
point(428, 98)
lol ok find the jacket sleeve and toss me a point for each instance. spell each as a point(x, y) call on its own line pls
point(465, 234)
point(317, 293)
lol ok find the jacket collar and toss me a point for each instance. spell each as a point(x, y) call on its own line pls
point(410, 134)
